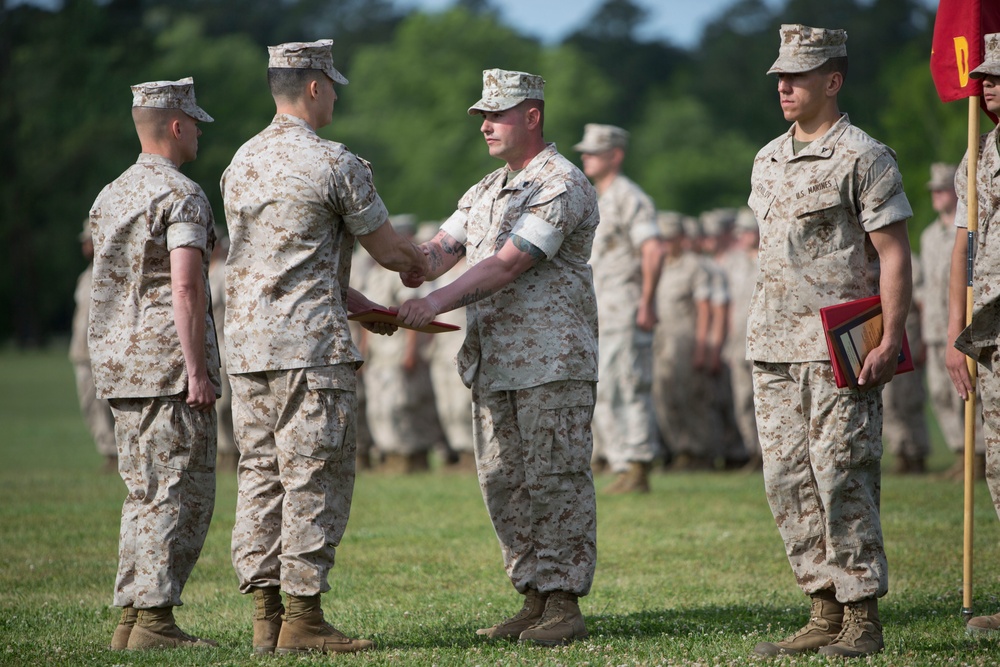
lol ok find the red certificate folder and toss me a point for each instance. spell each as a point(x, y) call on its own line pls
point(383, 315)
point(852, 330)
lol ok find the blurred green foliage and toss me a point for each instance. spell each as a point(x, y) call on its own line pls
point(697, 116)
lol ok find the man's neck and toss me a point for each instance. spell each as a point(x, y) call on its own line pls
point(604, 182)
point(162, 149)
point(814, 128)
point(299, 111)
point(947, 218)
point(526, 155)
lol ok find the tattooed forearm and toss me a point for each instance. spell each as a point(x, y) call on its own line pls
point(472, 297)
point(440, 250)
point(527, 246)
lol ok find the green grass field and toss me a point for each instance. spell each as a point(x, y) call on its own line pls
point(692, 574)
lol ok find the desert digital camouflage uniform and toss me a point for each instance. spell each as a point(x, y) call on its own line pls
point(294, 204)
point(936, 243)
point(453, 398)
point(740, 267)
point(815, 210)
point(530, 357)
point(981, 338)
point(402, 414)
point(96, 411)
point(224, 406)
point(684, 283)
point(904, 425)
point(623, 415)
point(166, 449)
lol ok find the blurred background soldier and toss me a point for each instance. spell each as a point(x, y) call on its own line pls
point(626, 259)
point(96, 411)
point(740, 265)
point(716, 242)
point(453, 398)
point(904, 423)
point(936, 243)
point(400, 405)
point(229, 455)
point(679, 392)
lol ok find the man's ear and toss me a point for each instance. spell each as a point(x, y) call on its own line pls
point(533, 116)
point(834, 83)
point(312, 89)
point(176, 128)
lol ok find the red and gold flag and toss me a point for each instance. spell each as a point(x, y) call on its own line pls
point(957, 48)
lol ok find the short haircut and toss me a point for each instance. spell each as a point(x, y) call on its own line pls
point(288, 83)
point(154, 122)
point(536, 104)
point(836, 64)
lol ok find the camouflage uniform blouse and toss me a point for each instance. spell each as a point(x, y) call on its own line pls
point(136, 221)
point(542, 327)
point(294, 204)
point(628, 219)
point(815, 211)
point(984, 332)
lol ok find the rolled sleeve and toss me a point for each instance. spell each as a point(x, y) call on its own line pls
point(455, 226)
point(352, 192)
point(187, 235)
point(540, 233)
point(883, 201)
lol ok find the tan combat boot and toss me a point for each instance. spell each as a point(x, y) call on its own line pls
point(304, 630)
point(633, 480)
point(155, 628)
point(267, 613)
point(861, 634)
point(825, 621)
point(119, 640)
point(983, 624)
point(560, 624)
point(511, 628)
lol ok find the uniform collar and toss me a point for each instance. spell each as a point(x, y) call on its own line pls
point(294, 120)
point(822, 148)
point(531, 169)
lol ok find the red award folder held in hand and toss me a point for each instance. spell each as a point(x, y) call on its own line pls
point(389, 317)
point(853, 329)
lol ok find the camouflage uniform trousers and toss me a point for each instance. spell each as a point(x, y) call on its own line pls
point(295, 430)
point(989, 390)
point(404, 418)
point(746, 419)
point(533, 450)
point(96, 412)
point(166, 457)
point(682, 399)
point(904, 426)
point(623, 414)
point(454, 404)
point(949, 408)
point(224, 409)
point(822, 448)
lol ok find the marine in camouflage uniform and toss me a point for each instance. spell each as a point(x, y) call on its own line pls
point(403, 416)
point(154, 357)
point(981, 339)
point(96, 411)
point(680, 392)
point(626, 262)
point(832, 212)
point(530, 354)
point(904, 424)
point(294, 205)
point(936, 244)
point(740, 265)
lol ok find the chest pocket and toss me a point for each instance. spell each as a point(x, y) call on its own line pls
point(760, 204)
point(818, 226)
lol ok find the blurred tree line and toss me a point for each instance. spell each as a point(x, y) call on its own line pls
point(697, 116)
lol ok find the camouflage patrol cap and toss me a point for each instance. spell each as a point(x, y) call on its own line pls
point(942, 176)
point(746, 221)
point(991, 57)
point(670, 223)
point(692, 227)
point(601, 138)
point(504, 90)
point(803, 49)
point(718, 221)
point(305, 55)
point(169, 95)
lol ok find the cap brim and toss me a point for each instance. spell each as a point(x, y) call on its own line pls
point(198, 114)
point(799, 65)
point(336, 76)
point(495, 104)
point(988, 68)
